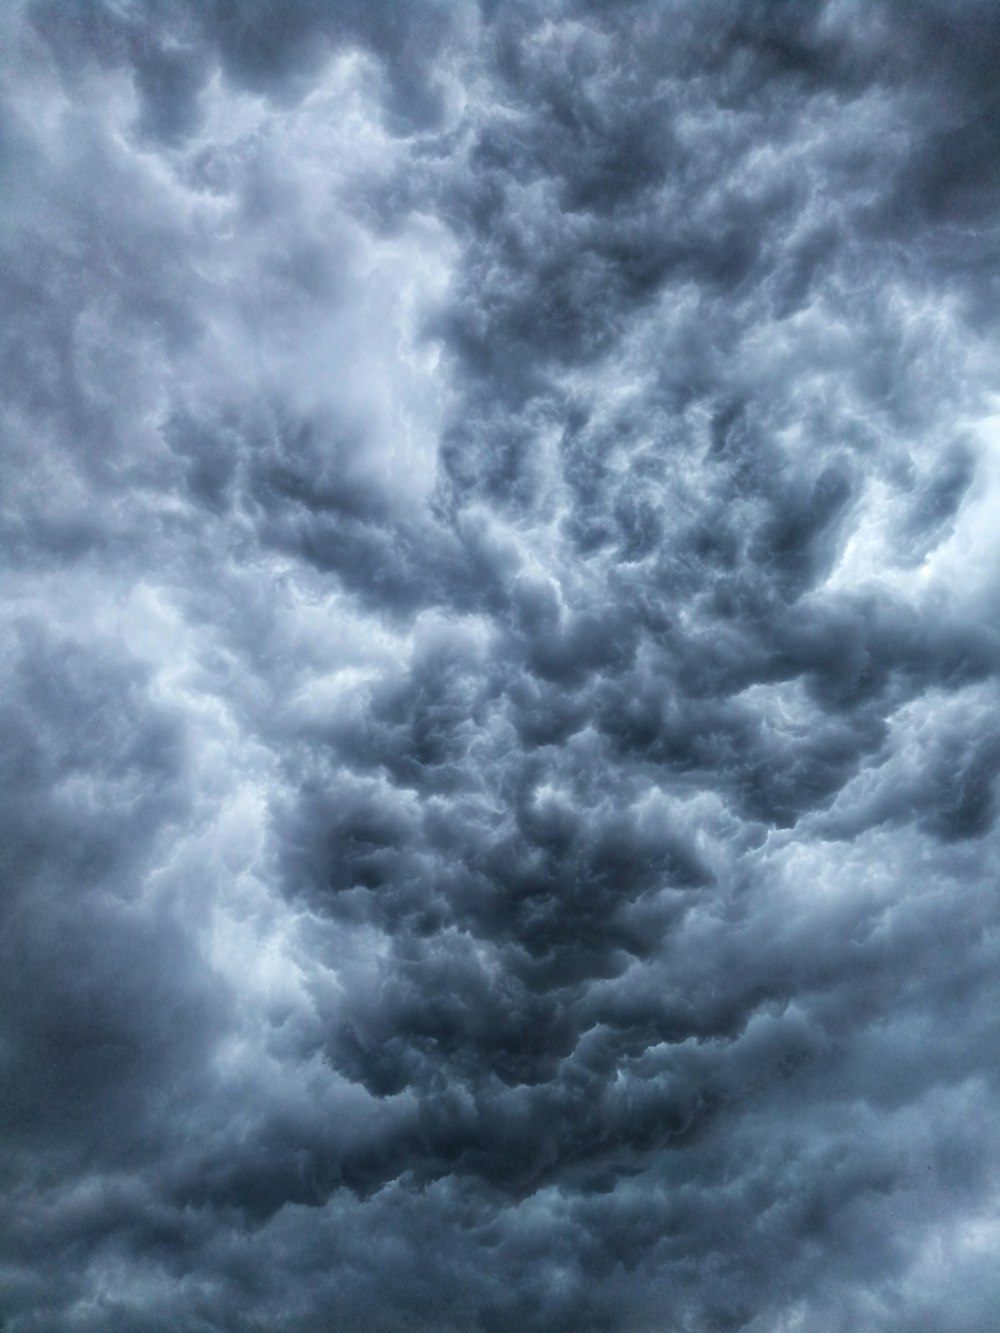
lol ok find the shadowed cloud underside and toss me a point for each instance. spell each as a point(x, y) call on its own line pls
point(500, 733)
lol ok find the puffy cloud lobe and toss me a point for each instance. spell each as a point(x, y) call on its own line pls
point(500, 745)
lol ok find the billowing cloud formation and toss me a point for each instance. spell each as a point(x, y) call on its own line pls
point(501, 730)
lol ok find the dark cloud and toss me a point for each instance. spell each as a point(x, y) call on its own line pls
point(500, 741)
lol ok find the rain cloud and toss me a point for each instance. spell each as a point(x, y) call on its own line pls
point(501, 724)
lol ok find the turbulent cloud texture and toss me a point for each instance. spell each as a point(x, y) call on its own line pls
point(501, 734)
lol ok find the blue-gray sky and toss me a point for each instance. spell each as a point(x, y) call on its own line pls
point(501, 571)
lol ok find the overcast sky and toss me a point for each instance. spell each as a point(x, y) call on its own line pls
point(501, 629)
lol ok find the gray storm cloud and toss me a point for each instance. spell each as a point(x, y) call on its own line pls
point(500, 727)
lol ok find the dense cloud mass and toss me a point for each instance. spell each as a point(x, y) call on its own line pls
point(500, 728)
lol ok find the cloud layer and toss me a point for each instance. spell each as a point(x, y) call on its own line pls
point(501, 728)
